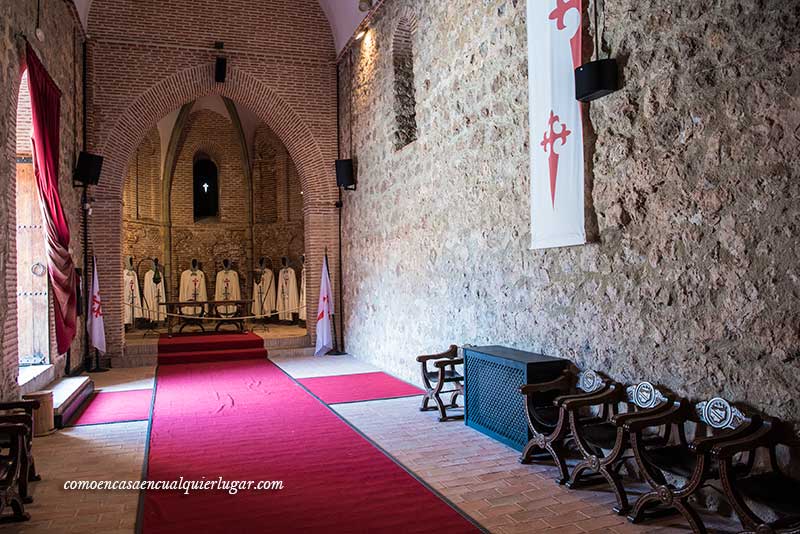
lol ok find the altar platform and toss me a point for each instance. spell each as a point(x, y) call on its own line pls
point(141, 347)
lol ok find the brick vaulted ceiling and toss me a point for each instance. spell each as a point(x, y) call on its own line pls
point(343, 16)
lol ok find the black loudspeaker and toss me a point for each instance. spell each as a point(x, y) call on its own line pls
point(596, 79)
point(220, 69)
point(87, 172)
point(344, 174)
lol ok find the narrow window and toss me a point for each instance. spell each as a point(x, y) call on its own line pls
point(404, 98)
point(206, 191)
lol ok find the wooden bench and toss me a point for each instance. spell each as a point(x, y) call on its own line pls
point(17, 466)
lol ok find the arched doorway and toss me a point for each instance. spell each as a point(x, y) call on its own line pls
point(231, 196)
point(33, 324)
point(314, 169)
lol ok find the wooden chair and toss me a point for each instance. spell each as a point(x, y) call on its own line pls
point(772, 488)
point(13, 437)
point(610, 434)
point(691, 461)
point(434, 381)
point(21, 413)
point(547, 408)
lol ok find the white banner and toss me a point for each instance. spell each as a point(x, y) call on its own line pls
point(97, 331)
point(556, 135)
point(324, 312)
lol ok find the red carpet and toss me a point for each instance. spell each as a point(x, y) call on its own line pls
point(246, 420)
point(116, 407)
point(198, 348)
point(358, 387)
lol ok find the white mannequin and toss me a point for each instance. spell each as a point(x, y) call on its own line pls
point(193, 288)
point(154, 294)
point(227, 288)
point(132, 299)
point(287, 299)
point(263, 291)
point(302, 302)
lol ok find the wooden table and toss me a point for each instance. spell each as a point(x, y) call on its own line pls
point(208, 309)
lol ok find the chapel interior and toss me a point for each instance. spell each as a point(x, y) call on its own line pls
point(347, 266)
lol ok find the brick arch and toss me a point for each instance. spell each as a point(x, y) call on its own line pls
point(316, 175)
point(188, 85)
point(407, 23)
point(403, 85)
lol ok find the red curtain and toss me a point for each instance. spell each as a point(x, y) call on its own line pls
point(46, 112)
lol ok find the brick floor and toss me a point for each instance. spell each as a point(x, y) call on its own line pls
point(99, 452)
point(484, 478)
point(480, 476)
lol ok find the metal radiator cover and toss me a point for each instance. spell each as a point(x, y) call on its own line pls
point(495, 404)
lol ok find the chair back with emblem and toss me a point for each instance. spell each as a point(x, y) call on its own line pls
point(687, 460)
point(548, 421)
point(603, 441)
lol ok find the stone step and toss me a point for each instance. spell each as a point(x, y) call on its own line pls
point(296, 342)
point(69, 395)
point(298, 352)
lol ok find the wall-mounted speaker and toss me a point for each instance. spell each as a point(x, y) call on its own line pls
point(596, 79)
point(345, 177)
point(220, 69)
point(87, 171)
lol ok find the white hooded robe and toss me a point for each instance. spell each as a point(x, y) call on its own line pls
point(193, 288)
point(264, 294)
point(287, 300)
point(131, 295)
point(154, 296)
point(227, 288)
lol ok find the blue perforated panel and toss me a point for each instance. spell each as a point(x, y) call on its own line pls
point(494, 404)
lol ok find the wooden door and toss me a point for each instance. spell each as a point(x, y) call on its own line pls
point(33, 324)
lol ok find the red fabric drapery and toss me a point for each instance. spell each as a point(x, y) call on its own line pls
point(46, 113)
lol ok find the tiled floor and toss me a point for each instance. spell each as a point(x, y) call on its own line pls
point(477, 474)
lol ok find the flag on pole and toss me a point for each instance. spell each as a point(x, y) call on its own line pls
point(97, 330)
point(324, 311)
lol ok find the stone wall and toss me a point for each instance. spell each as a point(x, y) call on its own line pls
point(692, 281)
point(277, 204)
point(61, 55)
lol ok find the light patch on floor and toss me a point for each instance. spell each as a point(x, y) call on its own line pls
point(313, 366)
point(124, 379)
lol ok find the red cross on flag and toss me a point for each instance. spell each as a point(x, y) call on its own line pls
point(324, 312)
point(97, 331)
point(556, 134)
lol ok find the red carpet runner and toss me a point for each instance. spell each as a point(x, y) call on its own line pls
point(358, 387)
point(116, 407)
point(197, 348)
point(246, 420)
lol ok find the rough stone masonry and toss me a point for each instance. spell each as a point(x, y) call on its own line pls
point(692, 281)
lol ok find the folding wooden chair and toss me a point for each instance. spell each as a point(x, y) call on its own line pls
point(434, 381)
